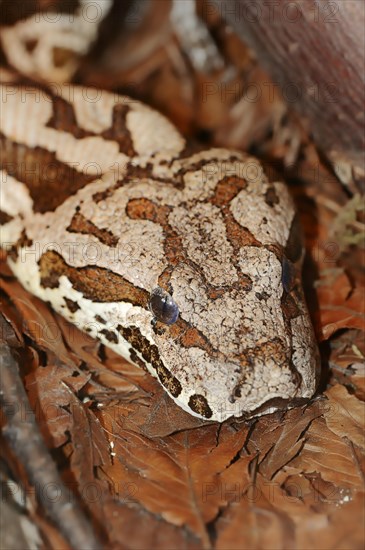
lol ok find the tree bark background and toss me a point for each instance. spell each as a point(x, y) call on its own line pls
point(315, 51)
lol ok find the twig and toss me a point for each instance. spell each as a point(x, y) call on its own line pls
point(25, 439)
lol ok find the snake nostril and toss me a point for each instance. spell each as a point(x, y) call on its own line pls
point(287, 274)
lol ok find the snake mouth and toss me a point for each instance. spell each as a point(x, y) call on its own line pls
point(264, 380)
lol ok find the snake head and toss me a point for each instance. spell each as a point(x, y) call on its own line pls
point(231, 331)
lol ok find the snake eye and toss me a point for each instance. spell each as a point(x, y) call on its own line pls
point(163, 307)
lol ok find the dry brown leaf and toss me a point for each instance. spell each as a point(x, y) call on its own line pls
point(90, 450)
point(80, 345)
point(345, 415)
point(348, 348)
point(159, 416)
point(279, 441)
point(133, 527)
point(141, 402)
point(336, 531)
point(49, 396)
point(10, 326)
point(341, 306)
point(233, 481)
point(257, 521)
point(269, 517)
point(39, 322)
point(174, 476)
point(326, 453)
point(316, 493)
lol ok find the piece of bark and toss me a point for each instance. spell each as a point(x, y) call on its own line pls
point(314, 50)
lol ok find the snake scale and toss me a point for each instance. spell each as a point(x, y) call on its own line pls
point(188, 264)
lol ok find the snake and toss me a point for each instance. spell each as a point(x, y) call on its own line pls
point(185, 261)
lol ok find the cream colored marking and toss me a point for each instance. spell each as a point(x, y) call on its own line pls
point(149, 132)
point(18, 200)
point(91, 155)
point(50, 31)
point(250, 210)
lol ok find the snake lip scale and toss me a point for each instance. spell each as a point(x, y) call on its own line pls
point(187, 264)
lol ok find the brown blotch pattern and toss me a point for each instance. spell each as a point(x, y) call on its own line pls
point(79, 224)
point(61, 56)
point(102, 195)
point(266, 351)
point(151, 355)
point(145, 209)
point(96, 283)
point(110, 335)
point(100, 319)
point(21, 242)
point(50, 182)
point(199, 405)
point(137, 173)
point(134, 174)
point(139, 342)
point(274, 348)
point(64, 118)
point(244, 282)
point(119, 131)
point(164, 279)
point(136, 339)
point(30, 45)
point(188, 336)
point(5, 218)
point(169, 381)
point(226, 189)
point(71, 304)
point(193, 338)
point(142, 208)
point(237, 235)
point(214, 293)
point(136, 359)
